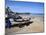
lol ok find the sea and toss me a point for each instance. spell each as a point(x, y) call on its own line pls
point(33, 14)
point(37, 14)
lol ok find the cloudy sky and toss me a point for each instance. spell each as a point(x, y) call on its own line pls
point(23, 7)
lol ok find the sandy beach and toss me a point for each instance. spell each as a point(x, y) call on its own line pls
point(36, 26)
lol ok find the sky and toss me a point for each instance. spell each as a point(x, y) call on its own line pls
point(25, 7)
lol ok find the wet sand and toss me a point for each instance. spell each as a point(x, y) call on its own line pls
point(36, 26)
